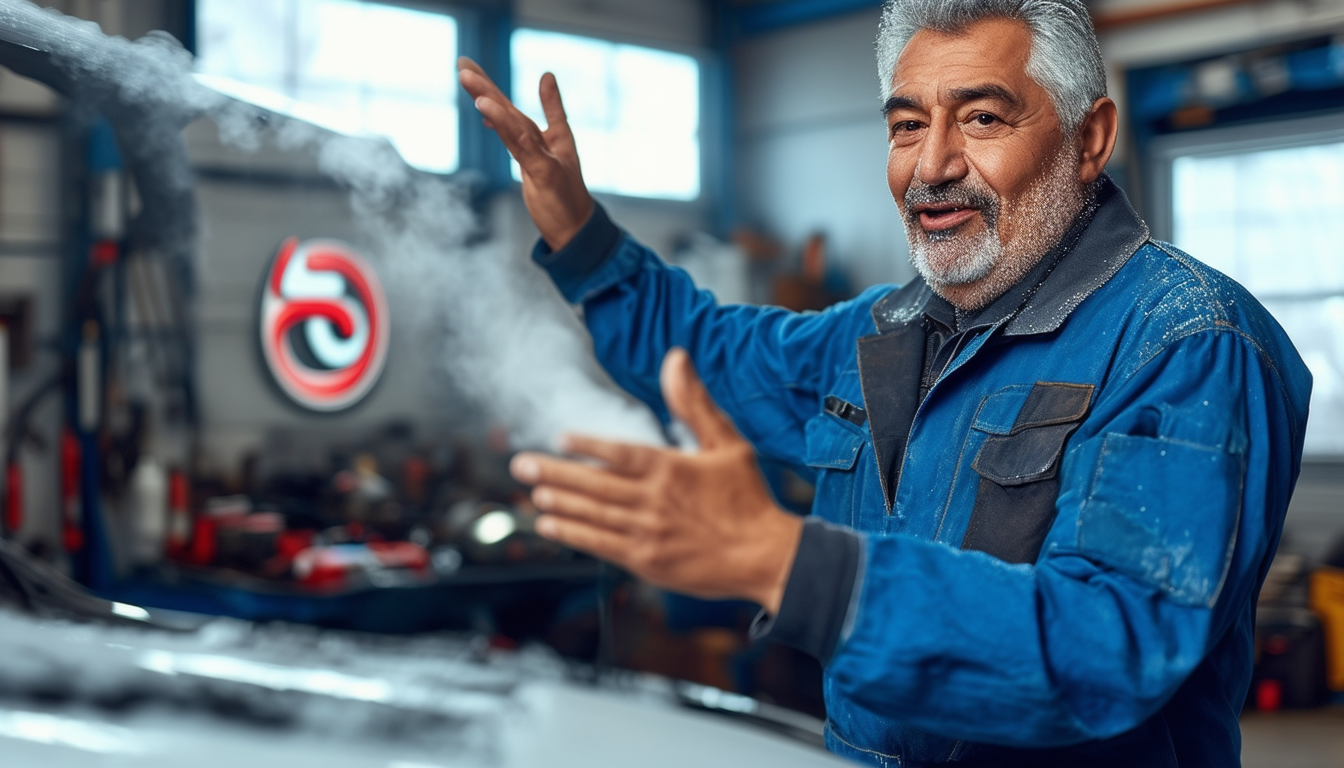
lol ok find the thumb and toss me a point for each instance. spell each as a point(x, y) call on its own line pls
point(689, 401)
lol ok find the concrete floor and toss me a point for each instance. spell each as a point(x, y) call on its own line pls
point(1293, 739)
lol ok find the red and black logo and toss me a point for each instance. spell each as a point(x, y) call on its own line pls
point(324, 324)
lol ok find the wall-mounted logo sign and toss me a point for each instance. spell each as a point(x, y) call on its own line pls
point(324, 324)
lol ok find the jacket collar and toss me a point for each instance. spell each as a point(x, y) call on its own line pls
point(1113, 235)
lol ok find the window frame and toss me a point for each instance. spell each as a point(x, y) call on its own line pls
point(1229, 140)
point(485, 31)
point(704, 60)
point(470, 23)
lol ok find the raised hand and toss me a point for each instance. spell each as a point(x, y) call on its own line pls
point(700, 523)
point(553, 188)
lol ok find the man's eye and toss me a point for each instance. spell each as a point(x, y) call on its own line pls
point(904, 126)
point(984, 118)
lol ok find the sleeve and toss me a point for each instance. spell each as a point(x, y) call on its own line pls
point(1172, 497)
point(765, 366)
point(818, 603)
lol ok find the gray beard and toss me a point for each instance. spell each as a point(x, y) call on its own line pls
point(964, 259)
point(1051, 202)
point(968, 259)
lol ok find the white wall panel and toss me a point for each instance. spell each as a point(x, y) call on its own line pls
point(29, 178)
point(25, 96)
point(242, 222)
point(812, 145)
point(830, 179)
point(816, 73)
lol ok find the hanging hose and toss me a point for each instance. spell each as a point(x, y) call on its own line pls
point(14, 438)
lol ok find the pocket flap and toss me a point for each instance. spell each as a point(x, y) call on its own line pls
point(1018, 407)
point(1025, 457)
point(1053, 402)
point(832, 443)
point(1029, 450)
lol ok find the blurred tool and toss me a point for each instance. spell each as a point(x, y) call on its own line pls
point(1326, 597)
point(379, 561)
point(179, 514)
point(149, 504)
point(72, 515)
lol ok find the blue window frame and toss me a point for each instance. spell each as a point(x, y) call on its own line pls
point(634, 111)
point(362, 68)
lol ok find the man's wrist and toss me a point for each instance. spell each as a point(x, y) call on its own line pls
point(822, 587)
point(778, 557)
point(558, 237)
point(590, 248)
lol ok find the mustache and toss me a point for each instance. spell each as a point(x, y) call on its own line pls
point(958, 192)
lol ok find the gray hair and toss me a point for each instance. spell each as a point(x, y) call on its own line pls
point(1065, 57)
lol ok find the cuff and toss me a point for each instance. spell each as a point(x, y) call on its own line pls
point(585, 254)
point(817, 607)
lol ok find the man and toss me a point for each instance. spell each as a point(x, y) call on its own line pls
point(1051, 473)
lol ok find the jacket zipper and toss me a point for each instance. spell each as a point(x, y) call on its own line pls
point(905, 452)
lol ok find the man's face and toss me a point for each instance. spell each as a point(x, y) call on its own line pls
point(978, 162)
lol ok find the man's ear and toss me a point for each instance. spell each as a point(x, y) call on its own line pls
point(1096, 139)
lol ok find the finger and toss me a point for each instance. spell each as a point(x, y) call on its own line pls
point(537, 469)
point(498, 110)
point(576, 506)
point(520, 135)
point(491, 102)
point(552, 105)
point(507, 122)
point(468, 63)
point(599, 542)
point(625, 458)
point(689, 401)
point(475, 82)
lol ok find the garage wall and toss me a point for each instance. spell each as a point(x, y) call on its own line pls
point(812, 145)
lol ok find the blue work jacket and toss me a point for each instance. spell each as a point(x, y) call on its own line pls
point(1063, 541)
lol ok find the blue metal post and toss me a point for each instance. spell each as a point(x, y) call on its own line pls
point(758, 19)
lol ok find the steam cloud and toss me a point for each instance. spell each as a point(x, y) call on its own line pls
point(503, 333)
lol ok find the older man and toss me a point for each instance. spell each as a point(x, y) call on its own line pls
point(1051, 472)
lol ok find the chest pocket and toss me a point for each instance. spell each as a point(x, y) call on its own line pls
point(833, 445)
point(1019, 471)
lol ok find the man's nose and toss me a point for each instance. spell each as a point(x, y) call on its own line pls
point(942, 155)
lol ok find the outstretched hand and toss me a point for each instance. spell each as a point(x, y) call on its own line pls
point(553, 188)
point(700, 523)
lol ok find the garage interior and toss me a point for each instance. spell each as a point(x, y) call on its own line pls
point(155, 458)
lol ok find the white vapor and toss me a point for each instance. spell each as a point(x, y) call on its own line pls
point(503, 333)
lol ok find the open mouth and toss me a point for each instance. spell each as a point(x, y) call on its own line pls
point(943, 216)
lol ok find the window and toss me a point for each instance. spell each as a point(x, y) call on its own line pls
point(360, 68)
point(634, 111)
point(1269, 216)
